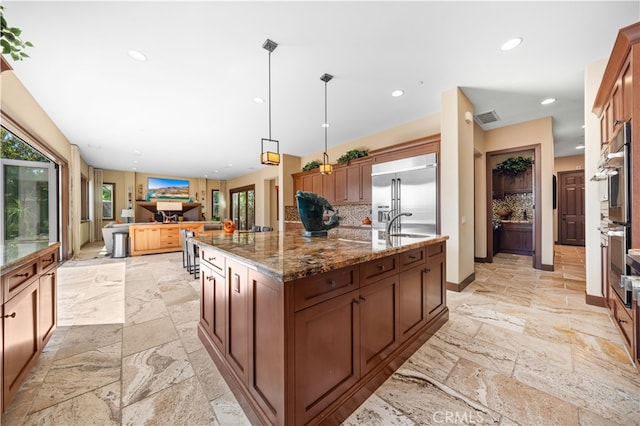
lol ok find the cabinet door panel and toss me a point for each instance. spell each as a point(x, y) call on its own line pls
point(140, 242)
point(327, 353)
point(20, 338)
point(266, 375)
point(365, 182)
point(436, 281)
point(353, 183)
point(212, 308)
point(238, 319)
point(329, 188)
point(412, 301)
point(378, 322)
point(154, 240)
point(48, 306)
point(340, 180)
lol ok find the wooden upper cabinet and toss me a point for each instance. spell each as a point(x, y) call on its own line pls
point(365, 181)
point(340, 188)
point(519, 183)
point(329, 188)
point(627, 93)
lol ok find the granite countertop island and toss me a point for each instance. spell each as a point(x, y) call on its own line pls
point(286, 256)
point(304, 329)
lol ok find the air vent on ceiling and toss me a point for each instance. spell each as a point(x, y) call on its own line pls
point(487, 117)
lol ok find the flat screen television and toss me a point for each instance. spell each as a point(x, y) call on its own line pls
point(168, 188)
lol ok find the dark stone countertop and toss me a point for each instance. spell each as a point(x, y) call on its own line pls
point(288, 255)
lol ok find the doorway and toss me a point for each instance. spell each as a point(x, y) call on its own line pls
point(571, 208)
point(513, 221)
point(243, 211)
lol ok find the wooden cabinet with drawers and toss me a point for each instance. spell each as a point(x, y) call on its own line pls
point(159, 237)
point(29, 316)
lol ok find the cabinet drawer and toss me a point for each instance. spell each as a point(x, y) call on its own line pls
point(378, 269)
point(435, 249)
point(318, 288)
point(48, 260)
point(215, 259)
point(622, 317)
point(13, 281)
point(411, 258)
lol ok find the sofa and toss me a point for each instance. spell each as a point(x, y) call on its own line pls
point(107, 233)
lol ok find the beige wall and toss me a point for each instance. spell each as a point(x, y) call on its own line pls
point(480, 190)
point(456, 188)
point(532, 132)
point(592, 78)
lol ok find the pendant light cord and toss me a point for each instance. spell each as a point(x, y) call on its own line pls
point(269, 95)
point(326, 124)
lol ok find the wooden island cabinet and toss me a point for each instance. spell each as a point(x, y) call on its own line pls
point(305, 339)
point(152, 238)
point(29, 315)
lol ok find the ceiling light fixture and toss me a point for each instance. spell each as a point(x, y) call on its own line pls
point(325, 168)
point(258, 100)
point(397, 93)
point(511, 44)
point(269, 157)
point(548, 101)
point(134, 54)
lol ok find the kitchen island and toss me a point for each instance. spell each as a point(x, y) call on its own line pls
point(305, 329)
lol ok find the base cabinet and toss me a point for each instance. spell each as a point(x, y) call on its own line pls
point(29, 317)
point(309, 351)
point(159, 238)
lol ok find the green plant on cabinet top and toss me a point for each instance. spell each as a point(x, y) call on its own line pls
point(10, 40)
point(352, 155)
point(514, 166)
point(311, 165)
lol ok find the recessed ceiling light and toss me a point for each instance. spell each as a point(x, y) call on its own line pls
point(548, 101)
point(397, 93)
point(511, 44)
point(134, 54)
point(258, 100)
point(206, 175)
point(230, 165)
point(580, 147)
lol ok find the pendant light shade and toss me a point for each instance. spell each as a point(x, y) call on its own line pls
point(325, 168)
point(271, 153)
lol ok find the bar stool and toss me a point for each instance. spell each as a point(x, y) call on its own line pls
point(193, 259)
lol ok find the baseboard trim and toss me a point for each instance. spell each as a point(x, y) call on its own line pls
point(595, 300)
point(481, 260)
point(547, 267)
point(459, 287)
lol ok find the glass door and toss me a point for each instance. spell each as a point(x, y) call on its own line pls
point(243, 207)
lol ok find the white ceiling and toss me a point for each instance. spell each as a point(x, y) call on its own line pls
point(188, 110)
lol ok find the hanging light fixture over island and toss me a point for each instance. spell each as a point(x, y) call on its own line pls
point(325, 168)
point(270, 157)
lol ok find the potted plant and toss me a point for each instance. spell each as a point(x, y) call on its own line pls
point(514, 166)
point(351, 155)
point(10, 40)
point(311, 165)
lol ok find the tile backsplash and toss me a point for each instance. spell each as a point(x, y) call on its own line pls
point(521, 206)
point(348, 214)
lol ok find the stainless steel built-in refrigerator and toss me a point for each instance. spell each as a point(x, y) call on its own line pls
point(408, 185)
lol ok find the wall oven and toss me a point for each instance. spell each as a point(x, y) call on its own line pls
point(619, 231)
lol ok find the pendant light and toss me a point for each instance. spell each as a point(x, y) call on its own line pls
point(325, 168)
point(269, 157)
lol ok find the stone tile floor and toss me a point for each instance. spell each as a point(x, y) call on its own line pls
point(521, 347)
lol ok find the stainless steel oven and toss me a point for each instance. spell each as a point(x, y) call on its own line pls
point(618, 245)
point(619, 175)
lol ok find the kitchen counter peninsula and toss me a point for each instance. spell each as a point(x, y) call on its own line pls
point(305, 329)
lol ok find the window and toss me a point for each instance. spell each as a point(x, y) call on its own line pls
point(215, 205)
point(108, 200)
point(243, 207)
point(84, 198)
point(29, 198)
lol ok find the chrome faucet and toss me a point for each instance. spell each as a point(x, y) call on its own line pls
point(393, 219)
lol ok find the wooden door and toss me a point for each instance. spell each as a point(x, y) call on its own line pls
point(237, 319)
point(571, 208)
point(378, 322)
point(20, 329)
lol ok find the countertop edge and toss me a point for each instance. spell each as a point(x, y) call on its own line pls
point(315, 270)
point(8, 267)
